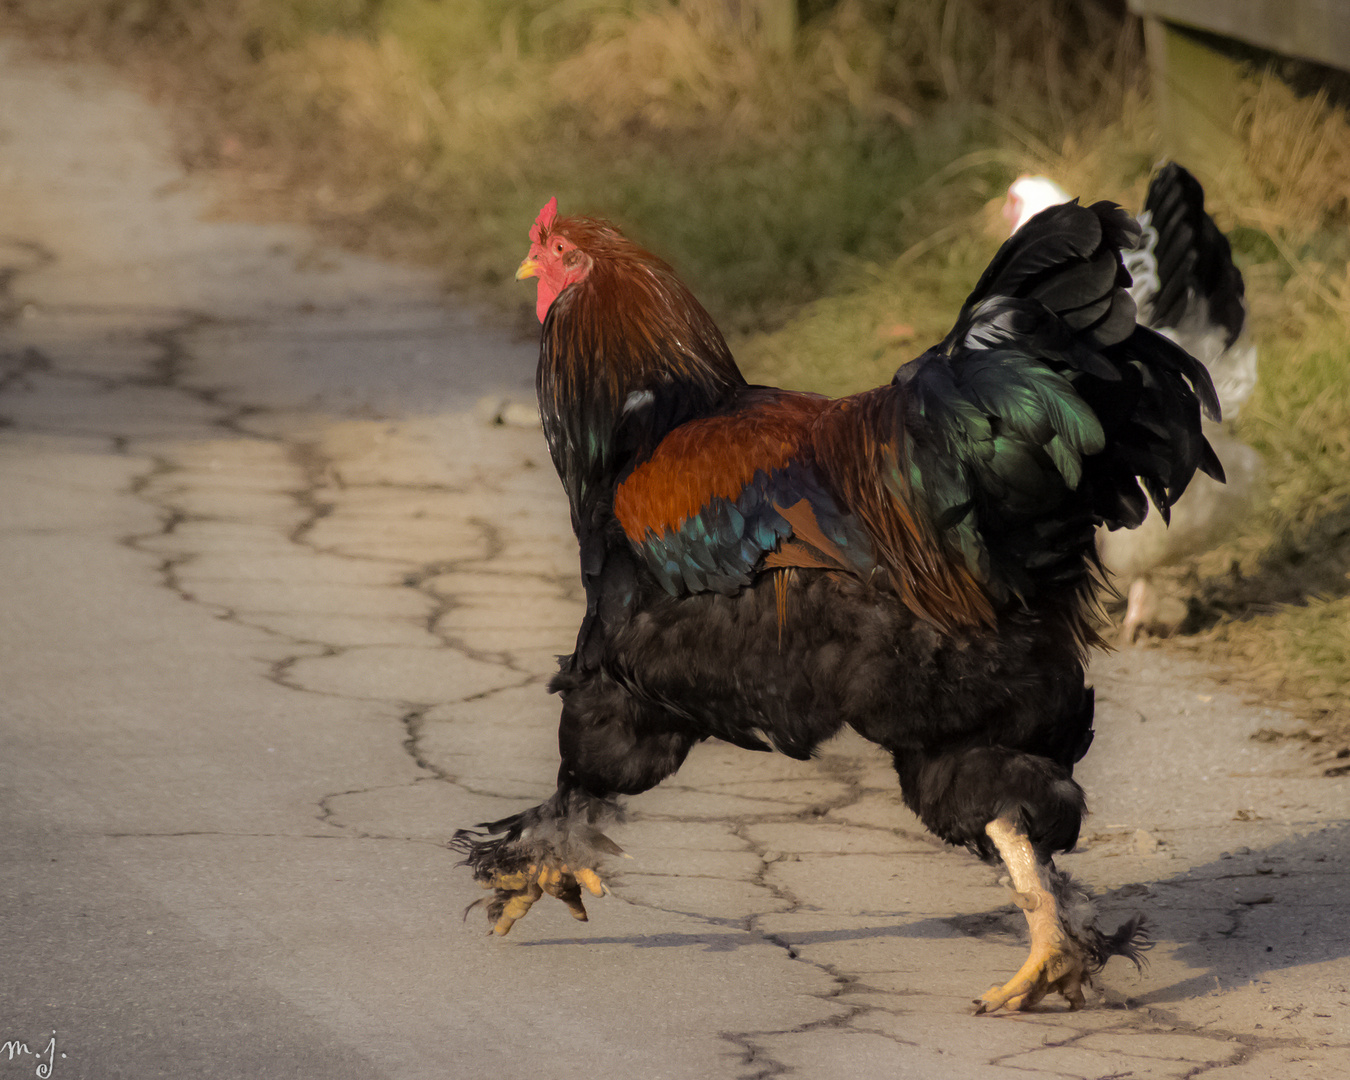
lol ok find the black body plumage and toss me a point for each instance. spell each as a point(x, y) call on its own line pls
point(989, 460)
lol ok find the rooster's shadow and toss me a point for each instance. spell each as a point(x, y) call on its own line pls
point(1233, 919)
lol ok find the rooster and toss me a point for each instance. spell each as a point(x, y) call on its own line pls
point(916, 561)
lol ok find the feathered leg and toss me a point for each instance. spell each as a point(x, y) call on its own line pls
point(1067, 949)
point(555, 848)
point(610, 745)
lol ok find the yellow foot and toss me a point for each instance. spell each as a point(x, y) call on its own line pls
point(516, 893)
point(1054, 965)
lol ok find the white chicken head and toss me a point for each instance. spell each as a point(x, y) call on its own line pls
point(1028, 196)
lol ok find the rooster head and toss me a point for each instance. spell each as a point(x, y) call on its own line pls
point(554, 258)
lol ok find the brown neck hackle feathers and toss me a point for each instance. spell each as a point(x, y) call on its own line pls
point(628, 337)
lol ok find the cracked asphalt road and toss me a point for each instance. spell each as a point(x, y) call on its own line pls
point(279, 608)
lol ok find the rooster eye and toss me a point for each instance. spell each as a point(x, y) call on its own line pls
point(559, 247)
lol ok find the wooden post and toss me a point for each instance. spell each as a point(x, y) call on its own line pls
point(1317, 30)
point(1196, 89)
point(1200, 101)
point(1155, 48)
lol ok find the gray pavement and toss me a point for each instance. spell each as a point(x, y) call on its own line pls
point(279, 607)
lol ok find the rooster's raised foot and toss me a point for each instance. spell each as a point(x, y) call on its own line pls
point(517, 892)
point(556, 848)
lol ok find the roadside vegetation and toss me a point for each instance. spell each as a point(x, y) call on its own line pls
point(826, 175)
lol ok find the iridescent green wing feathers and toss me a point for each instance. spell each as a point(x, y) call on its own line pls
point(1045, 408)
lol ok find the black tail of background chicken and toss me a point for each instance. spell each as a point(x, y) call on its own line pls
point(1194, 261)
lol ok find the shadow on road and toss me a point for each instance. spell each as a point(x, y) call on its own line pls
point(1232, 920)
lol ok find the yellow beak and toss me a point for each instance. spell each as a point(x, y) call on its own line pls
point(528, 268)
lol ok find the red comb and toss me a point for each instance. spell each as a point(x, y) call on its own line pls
point(545, 220)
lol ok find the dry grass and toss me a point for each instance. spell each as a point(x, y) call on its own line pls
point(1297, 158)
point(759, 153)
point(749, 71)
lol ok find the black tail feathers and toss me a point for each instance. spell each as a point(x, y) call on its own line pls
point(1068, 258)
point(1194, 261)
